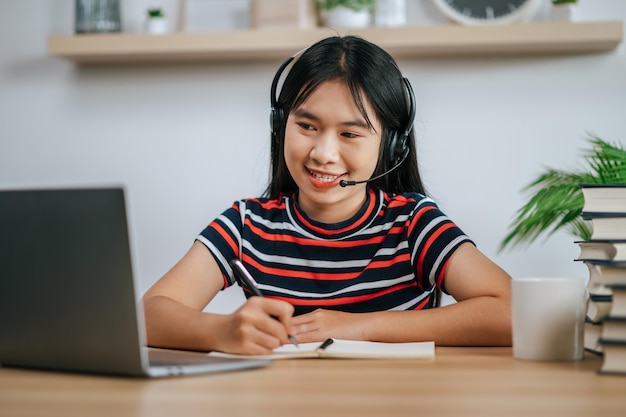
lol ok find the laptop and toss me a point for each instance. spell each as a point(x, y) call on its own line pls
point(68, 295)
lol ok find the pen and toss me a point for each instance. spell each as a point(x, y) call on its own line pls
point(245, 280)
point(326, 343)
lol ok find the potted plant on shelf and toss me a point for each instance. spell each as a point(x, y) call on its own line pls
point(345, 13)
point(156, 22)
point(556, 200)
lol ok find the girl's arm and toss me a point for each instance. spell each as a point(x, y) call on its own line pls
point(480, 317)
point(174, 318)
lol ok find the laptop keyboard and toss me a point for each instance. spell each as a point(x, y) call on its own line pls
point(163, 357)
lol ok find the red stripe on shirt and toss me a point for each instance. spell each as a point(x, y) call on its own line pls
point(427, 245)
point(224, 234)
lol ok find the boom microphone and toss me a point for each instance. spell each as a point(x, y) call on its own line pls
point(345, 183)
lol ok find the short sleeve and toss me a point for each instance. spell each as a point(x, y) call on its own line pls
point(433, 238)
point(222, 237)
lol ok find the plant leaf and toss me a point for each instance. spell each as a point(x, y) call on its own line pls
point(556, 199)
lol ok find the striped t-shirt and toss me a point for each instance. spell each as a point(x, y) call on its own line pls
point(389, 256)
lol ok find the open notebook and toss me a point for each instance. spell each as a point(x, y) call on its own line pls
point(348, 349)
point(68, 298)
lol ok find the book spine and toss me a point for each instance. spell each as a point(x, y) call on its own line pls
point(607, 262)
point(590, 215)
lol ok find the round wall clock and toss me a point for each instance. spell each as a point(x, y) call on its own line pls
point(485, 12)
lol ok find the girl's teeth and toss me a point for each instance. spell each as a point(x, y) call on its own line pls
point(324, 178)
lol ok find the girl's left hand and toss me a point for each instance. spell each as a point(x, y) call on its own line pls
point(320, 324)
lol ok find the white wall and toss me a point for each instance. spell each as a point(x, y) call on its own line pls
point(187, 140)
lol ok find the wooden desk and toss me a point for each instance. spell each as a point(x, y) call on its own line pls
point(460, 382)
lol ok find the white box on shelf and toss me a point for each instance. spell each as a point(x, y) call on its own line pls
point(277, 14)
point(216, 15)
point(568, 12)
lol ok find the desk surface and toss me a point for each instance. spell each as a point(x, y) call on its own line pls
point(461, 381)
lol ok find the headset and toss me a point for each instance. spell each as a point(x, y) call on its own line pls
point(396, 142)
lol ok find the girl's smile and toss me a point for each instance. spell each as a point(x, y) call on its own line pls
point(324, 180)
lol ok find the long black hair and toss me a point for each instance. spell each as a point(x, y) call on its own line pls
point(368, 71)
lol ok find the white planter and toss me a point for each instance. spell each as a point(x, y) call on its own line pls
point(390, 13)
point(342, 17)
point(564, 13)
point(156, 25)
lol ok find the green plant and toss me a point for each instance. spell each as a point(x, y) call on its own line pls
point(350, 4)
point(557, 200)
point(564, 1)
point(155, 12)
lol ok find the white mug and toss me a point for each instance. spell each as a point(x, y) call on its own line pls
point(548, 318)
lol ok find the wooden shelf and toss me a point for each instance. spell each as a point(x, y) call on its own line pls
point(424, 41)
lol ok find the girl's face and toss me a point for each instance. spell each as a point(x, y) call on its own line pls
point(328, 140)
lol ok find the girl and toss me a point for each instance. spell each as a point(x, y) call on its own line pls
point(344, 242)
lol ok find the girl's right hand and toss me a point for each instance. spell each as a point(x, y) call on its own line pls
point(257, 327)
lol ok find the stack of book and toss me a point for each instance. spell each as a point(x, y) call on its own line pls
point(604, 254)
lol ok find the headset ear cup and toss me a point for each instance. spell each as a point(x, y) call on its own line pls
point(402, 148)
point(397, 147)
point(277, 115)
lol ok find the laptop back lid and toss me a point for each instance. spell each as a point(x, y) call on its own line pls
point(67, 296)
